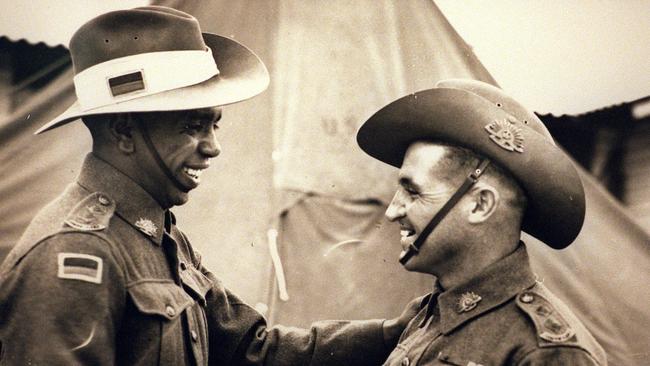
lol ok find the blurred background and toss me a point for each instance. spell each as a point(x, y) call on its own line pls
point(290, 215)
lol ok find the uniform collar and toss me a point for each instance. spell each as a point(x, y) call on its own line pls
point(494, 286)
point(133, 203)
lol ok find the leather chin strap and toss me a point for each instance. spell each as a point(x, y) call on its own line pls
point(152, 150)
point(471, 179)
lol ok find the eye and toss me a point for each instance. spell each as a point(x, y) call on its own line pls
point(192, 127)
point(411, 191)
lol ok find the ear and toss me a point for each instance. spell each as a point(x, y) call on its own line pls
point(121, 127)
point(485, 201)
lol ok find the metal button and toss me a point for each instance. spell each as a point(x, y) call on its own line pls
point(194, 335)
point(170, 310)
point(527, 298)
point(104, 200)
point(406, 361)
point(183, 266)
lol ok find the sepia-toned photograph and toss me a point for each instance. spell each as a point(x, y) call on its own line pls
point(311, 182)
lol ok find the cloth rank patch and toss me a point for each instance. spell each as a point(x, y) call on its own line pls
point(125, 84)
point(83, 267)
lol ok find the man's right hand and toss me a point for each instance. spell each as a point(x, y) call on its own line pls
point(393, 328)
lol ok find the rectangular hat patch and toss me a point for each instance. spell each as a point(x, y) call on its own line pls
point(83, 267)
point(127, 83)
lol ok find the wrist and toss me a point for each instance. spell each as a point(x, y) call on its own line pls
point(392, 330)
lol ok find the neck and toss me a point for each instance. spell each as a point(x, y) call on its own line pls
point(478, 255)
point(127, 165)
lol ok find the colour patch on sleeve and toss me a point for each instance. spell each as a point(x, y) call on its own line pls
point(82, 267)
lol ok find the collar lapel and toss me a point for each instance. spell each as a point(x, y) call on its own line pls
point(494, 286)
point(133, 203)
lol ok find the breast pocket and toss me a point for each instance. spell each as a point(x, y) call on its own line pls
point(196, 283)
point(155, 322)
point(161, 298)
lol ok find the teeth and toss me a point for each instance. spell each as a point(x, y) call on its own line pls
point(194, 173)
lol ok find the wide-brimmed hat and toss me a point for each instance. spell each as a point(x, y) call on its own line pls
point(156, 58)
point(482, 118)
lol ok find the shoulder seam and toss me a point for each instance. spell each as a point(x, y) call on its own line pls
point(91, 233)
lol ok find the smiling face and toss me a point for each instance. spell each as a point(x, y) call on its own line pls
point(185, 141)
point(426, 182)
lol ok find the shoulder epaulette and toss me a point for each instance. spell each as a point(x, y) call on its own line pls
point(550, 324)
point(93, 213)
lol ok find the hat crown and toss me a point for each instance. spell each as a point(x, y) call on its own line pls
point(130, 32)
point(501, 100)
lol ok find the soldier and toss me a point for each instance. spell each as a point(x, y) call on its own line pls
point(476, 168)
point(103, 275)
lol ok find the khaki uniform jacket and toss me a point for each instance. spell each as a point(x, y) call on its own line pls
point(503, 316)
point(103, 276)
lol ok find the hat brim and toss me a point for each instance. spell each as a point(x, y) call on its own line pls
point(556, 206)
point(242, 75)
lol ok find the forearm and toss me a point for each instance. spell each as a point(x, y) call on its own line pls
point(325, 343)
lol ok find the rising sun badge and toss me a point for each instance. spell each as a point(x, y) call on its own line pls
point(505, 134)
point(147, 226)
point(468, 301)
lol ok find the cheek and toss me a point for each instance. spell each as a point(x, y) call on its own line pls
point(176, 151)
point(419, 213)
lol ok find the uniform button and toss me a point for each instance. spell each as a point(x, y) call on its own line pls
point(183, 266)
point(194, 335)
point(527, 298)
point(170, 310)
point(406, 361)
point(104, 200)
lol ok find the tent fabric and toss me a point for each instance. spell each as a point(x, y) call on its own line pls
point(37, 168)
point(603, 276)
point(340, 260)
point(336, 65)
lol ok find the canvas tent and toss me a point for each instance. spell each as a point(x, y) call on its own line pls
point(291, 177)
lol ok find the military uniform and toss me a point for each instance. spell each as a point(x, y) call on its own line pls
point(502, 316)
point(103, 276)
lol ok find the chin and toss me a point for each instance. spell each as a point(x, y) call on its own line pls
point(412, 265)
point(179, 199)
point(415, 264)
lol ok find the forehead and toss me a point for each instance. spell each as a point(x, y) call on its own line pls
point(422, 161)
point(173, 117)
point(212, 113)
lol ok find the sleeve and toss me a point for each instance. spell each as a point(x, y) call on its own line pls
point(239, 335)
point(60, 303)
point(559, 356)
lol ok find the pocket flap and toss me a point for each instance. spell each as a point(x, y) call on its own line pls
point(196, 282)
point(160, 298)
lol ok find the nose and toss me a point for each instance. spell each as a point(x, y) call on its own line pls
point(209, 145)
point(396, 209)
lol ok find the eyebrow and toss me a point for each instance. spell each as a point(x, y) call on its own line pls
point(407, 182)
point(211, 115)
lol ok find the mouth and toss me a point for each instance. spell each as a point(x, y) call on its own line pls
point(407, 237)
point(193, 175)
